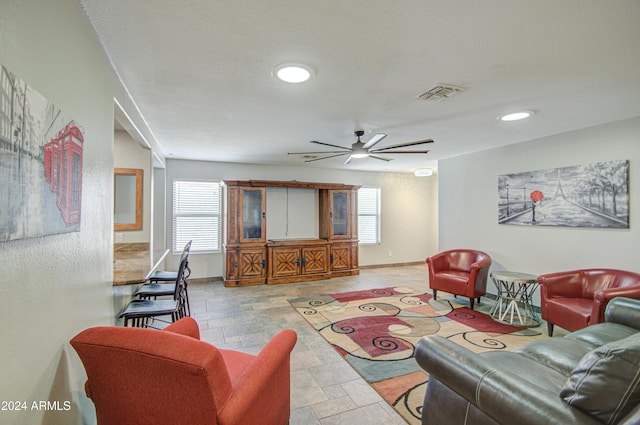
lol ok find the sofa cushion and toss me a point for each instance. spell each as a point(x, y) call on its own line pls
point(570, 313)
point(606, 382)
point(559, 354)
point(528, 369)
point(454, 281)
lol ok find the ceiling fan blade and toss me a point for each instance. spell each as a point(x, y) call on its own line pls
point(326, 157)
point(348, 160)
point(380, 157)
point(306, 153)
point(402, 145)
point(375, 139)
point(327, 144)
point(390, 152)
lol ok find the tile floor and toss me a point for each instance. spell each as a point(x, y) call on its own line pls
point(325, 390)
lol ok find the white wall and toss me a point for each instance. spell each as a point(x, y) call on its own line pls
point(408, 216)
point(53, 287)
point(159, 208)
point(292, 213)
point(468, 212)
point(128, 153)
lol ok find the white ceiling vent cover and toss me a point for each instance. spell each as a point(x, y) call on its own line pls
point(440, 93)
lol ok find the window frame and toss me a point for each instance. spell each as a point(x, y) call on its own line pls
point(377, 216)
point(177, 248)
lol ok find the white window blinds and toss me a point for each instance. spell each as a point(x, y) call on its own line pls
point(369, 215)
point(196, 215)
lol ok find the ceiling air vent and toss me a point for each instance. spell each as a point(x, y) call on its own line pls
point(440, 93)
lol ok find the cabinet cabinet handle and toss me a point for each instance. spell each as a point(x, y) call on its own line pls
point(264, 263)
point(235, 265)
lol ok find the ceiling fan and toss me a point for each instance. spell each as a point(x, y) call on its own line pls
point(364, 150)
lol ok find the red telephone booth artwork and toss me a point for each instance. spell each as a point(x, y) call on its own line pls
point(68, 167)
point(41, 190)
point(50, 163)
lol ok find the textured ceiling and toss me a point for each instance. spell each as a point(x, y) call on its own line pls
point(200, 72)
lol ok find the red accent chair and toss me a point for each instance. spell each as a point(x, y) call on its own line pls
point(460, 272)
point(139, 376)
point(576, 299)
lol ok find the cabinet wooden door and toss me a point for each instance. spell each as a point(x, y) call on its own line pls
point(314, 260)
point(251, 263)
point(231, 265)
point(285, 262)
point(341, 256)
point(353, 213)
point(355, 259)
point(231, 214)
point(340, 214)
point(252, 214)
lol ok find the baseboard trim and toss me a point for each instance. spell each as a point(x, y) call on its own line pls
point(492, 297)
point(371, 266)
point(380, 266)
point(206, 279)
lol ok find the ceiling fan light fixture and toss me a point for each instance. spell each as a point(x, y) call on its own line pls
point(359, 152)
point(364, 150)
point(293, 73)
point(359, 155)
point(516, 116)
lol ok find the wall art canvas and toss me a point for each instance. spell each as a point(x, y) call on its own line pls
point(40, 164)
point(591, 195)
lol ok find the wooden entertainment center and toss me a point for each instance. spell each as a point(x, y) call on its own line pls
point(252, 259)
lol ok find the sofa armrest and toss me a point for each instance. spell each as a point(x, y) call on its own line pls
point(261, 388)
point(499, 393)
point(624, 311)
point(482, 263)
point(186, 326)
point(437, 262)
point(479, 273)
point(603, 297)
point(451, 364)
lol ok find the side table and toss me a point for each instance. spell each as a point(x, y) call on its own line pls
point(515, 292)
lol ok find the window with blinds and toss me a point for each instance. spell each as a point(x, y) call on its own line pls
point(196, 215)
point(369, 215)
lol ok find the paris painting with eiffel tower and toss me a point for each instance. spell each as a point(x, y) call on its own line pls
point(591, 195)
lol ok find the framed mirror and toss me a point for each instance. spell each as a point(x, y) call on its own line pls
point(127, 206)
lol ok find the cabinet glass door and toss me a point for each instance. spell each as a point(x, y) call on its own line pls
point(252, 214)
point(340, 214)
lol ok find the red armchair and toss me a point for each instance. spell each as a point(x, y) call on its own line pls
point(460, 272)
point(143, 376)
point(576, 299)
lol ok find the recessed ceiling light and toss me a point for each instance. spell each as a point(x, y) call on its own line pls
point(423, 172)
point(515, 116)
point(293, 73)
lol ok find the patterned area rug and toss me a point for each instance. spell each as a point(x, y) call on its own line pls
point(376, 331)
